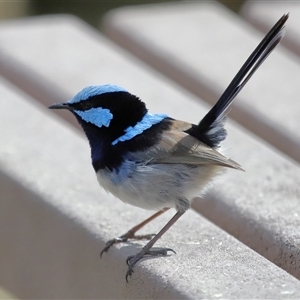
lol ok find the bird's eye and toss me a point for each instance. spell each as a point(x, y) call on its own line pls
point(86, 105)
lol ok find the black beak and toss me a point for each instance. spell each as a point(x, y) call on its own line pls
point(60, 106)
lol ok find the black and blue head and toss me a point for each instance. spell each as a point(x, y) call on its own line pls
point(113, 120)
point(107, 107)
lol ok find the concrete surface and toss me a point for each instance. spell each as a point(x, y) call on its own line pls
point(261, 207)
point(55, 219)
point(61, 218)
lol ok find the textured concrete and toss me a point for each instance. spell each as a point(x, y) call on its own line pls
point(55, 219)
point(209, 263)
point(201, 46)
point(202, 43)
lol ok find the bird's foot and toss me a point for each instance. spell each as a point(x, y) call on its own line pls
point(124, 238)
point(133, 259)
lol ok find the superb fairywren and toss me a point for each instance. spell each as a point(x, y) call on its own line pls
point(151, 160)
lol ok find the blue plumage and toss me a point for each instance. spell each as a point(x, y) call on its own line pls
point(147, 122)
point(97, 116)
point(117, 176)
point(95, 90)
point(151, 160)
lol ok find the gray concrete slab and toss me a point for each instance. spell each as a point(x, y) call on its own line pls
point(54, 219)
point(246, 205)
point(202, 43)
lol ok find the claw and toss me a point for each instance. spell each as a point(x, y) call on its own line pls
point(128, 274)
point(130, 265)
point(133, 259)
point(108, 245)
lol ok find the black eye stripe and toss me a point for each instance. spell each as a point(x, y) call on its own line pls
point(86, 105)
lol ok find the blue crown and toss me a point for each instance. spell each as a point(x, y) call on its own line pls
point(95, 90)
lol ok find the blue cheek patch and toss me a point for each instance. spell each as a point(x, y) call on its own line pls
point(97, 116)
point(148, 121)
point(95, 90)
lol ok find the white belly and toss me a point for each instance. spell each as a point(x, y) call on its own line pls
point(156, 186)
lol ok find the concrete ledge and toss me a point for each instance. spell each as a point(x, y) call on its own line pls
point(254, 207)
point(209, 262)
point(55, 219)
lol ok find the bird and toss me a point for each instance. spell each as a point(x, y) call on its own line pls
point(154, 161)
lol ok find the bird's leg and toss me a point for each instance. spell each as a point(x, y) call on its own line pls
point(132, 260)
point(131, 233)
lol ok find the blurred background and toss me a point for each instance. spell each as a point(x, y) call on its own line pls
point(90, 11)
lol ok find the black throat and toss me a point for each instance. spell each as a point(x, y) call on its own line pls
point(107, 156)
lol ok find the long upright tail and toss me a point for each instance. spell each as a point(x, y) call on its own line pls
point(211, 127)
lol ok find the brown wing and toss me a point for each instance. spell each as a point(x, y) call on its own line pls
point(179, 147)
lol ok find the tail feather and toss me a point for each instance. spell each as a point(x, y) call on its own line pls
point(211, 127)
